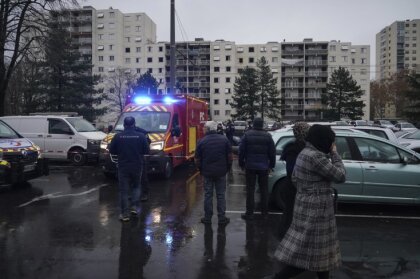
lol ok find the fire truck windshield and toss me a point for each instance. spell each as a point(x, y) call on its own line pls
point(151, 121)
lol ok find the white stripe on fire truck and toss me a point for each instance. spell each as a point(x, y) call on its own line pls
point(163, 108)
point(156, 108)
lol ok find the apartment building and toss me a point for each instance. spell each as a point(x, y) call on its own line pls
point(398, 48)
point(356, 59)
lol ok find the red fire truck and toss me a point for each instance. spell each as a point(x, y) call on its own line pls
point(174, 123)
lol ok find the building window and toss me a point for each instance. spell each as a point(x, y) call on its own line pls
point(111, 14)
point(138, 29)
point(227, 57)
point(228, 79)
point(363, 50)
point(227, 91)
point(363, 60)
point(216, 58)
point(363, 71)
point(227, 102)
point(160, 49)
point(217, 69)
point(138, 49)
point(101, 58)
point(216, 112)
point(149, 49)
point(274, 59)
point(149, 59)
point(111, 47)
point(138, 60)
point(100, 69)
point(150, 70)
point(160, 59)
point(127, 39)
point(332, 58)
point(216, 91)
point(216, 80)
point(251, 49)
point(353, 61)
point(345, 59)
point(414, 52)
point(227, 112)
point(160, 70)
point(216, 101)
point(228, 69)
point(138, 70)
point(251, 59)
point(138, 17)
point(111, 58)
point(127, 50)
point(127, 60)
point(100, 36)
point(241, 60)
point(111, 25)
point(111, 36)
point(127, 29)
point(332, 48)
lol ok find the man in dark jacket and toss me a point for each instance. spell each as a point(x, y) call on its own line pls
point(144, 178)
point(230, 131)
point(257, 155)
point(130, 146)
point(213, 158)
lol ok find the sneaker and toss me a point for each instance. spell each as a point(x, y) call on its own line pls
point(224, 221)
point(247, 217)
point(134, 210)
point(205, 220)
point(144, 197)
point(124, 218)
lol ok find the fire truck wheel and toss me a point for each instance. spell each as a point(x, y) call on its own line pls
point(77, 157)
point(168, 169)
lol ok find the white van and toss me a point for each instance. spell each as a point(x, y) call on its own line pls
point(60, 137)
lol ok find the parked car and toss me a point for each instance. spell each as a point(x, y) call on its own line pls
point(240, 126)
point(383, 123)
point(20, 159)
point(359, 123)
point(272, 125)
point(404, 127)
point(411, 141)
point(60, 137)
point(384, 133)
point(377, 170)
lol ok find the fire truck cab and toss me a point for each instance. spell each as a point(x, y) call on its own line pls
point(174, 124)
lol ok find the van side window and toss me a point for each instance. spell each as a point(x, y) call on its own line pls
point(57, 126)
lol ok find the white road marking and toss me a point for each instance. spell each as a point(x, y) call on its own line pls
point(56, 195)
point(342, 215)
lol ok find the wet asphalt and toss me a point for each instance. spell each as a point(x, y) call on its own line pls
point(66, 226)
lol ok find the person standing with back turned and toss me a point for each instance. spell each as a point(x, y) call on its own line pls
point(130, 146)
point(257, 155)
point(213, 158)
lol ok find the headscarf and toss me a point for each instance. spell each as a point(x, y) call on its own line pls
point(321, 137)
point(300, 130)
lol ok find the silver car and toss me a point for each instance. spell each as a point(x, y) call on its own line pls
point(411, 141)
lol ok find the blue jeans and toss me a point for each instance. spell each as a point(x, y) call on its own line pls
point(129, 186)
point(219, 183)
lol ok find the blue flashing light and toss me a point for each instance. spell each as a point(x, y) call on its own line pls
point(169, 100)
point(142, 100)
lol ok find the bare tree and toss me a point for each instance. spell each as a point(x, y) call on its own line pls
point(120, 84)
point(22, 23)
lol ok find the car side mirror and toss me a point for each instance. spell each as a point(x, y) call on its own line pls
point(175, 132)
point(279, 152)
point(404, 160)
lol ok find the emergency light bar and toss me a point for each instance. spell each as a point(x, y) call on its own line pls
point(142, 100)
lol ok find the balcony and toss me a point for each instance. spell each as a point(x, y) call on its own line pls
point(293, 74)
point(316, 52)
point(316, 62)
point(292, 52)
point(203, 95)
point(292, 85)
point(316, 85)
point(316, 74)
point(313, 107)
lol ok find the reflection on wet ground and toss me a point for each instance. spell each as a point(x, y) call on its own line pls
point(66, 226)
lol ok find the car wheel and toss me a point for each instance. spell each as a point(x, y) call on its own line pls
point(276, 194)
point(168, 169)
point(77, 157)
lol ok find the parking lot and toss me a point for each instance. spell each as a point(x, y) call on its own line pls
point(66, 225)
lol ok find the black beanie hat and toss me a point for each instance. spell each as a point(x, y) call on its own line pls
point(258, 123)
point(321, 137)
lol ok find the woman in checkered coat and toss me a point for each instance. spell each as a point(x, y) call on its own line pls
point(311, 242)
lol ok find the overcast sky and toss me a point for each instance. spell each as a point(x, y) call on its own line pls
point(261, 21)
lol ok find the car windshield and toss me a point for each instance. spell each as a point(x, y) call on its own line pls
point(81, 125)
point(239, 123)
point(6, 132)
point(407, 125)
point(415, 135)
point(385, 122)
point(151, 121)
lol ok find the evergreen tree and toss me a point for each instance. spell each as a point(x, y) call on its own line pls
point(412, 109)
point(270, 102)
point(245, 97)
point(68, 82)
point(343, 95)
point(146, 84)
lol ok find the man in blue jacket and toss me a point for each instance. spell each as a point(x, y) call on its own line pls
point(213, 158)
point(257, 155)
point(130, 146)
